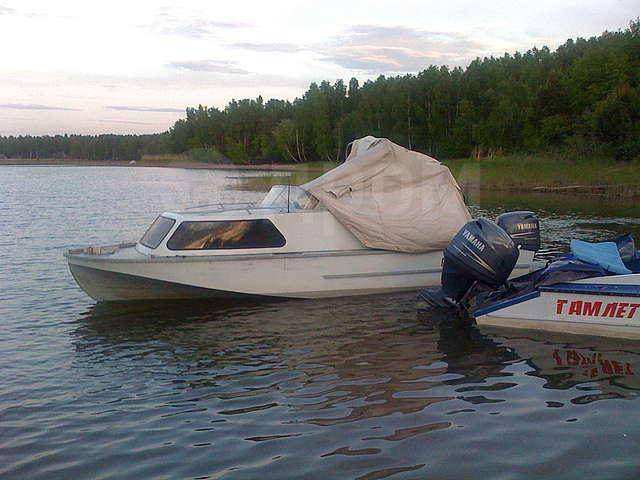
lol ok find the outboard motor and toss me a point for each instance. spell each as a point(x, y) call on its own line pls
point(481, 252)
point(523, 227)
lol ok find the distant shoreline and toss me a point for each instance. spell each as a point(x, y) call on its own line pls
point(523, 173)
point(189, 164)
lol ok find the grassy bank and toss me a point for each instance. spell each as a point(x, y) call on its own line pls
point(549, 173)
point(525, 173)
point(532, 173)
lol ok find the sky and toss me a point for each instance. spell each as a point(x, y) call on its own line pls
point(134, 66)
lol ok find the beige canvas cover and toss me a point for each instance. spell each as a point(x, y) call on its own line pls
point(392, 198)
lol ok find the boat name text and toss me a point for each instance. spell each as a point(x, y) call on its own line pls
point(596, 308)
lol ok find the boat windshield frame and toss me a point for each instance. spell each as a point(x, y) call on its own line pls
point(157, 232)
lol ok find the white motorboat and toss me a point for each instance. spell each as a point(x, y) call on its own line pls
point(593, 290)
point(376, 223)
point(268, 250)
point(606, 306)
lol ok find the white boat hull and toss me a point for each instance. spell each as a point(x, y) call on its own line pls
point(118, 276)
point(103, 285)
point(574, 328)
point(598, 308)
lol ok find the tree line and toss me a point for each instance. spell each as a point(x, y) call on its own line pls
point(582, 98)
point(87, 147)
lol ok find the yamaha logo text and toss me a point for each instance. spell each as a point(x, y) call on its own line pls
point(471, 238)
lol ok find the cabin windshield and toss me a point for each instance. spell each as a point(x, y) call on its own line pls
point(291, 197)
point(157, 231)
point(227, 234)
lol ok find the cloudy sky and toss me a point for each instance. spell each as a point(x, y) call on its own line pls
point(133, 66)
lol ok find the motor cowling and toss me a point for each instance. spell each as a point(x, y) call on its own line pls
point(480, 252)
point(523, 227)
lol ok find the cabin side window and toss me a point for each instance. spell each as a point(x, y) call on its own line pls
point(226, 235)
point(157, 231)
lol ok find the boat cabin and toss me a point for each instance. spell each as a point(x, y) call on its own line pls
point(288, 220)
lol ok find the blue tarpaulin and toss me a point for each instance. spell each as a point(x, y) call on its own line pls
point(604, 254)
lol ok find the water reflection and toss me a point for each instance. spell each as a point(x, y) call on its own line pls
point(608, 368)
point(367, 349)
point(339, 379)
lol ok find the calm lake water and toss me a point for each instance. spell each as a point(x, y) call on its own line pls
point(362, 387)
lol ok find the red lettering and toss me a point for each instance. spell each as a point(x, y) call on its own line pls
point(575, 308)
point(560, 305)
point(573, 358)
point(591, 308)
point(622, 309)
point(610, 309)
point(627, 369)
point(586, 361)
point(617, 367)
point(632, 309)
point(557, 358)
point(606, 366)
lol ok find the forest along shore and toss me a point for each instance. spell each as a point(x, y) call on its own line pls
point(526, 173)
point(582, 97)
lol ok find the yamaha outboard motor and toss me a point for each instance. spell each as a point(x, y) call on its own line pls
point(481, 252)
point(523, 227)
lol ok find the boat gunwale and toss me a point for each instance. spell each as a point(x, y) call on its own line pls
point(588, 289)
point(509, 302)
point(82, 254)
point(604, 289)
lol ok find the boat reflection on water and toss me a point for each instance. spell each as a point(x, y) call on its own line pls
point(611, 367)
point(318, 382)
point(367, 348)
point(314, 356)
point(600, 368)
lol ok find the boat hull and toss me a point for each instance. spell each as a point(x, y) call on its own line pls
point(120, 273)
point(574, 328)
point(105, 286)
point(605, 309)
